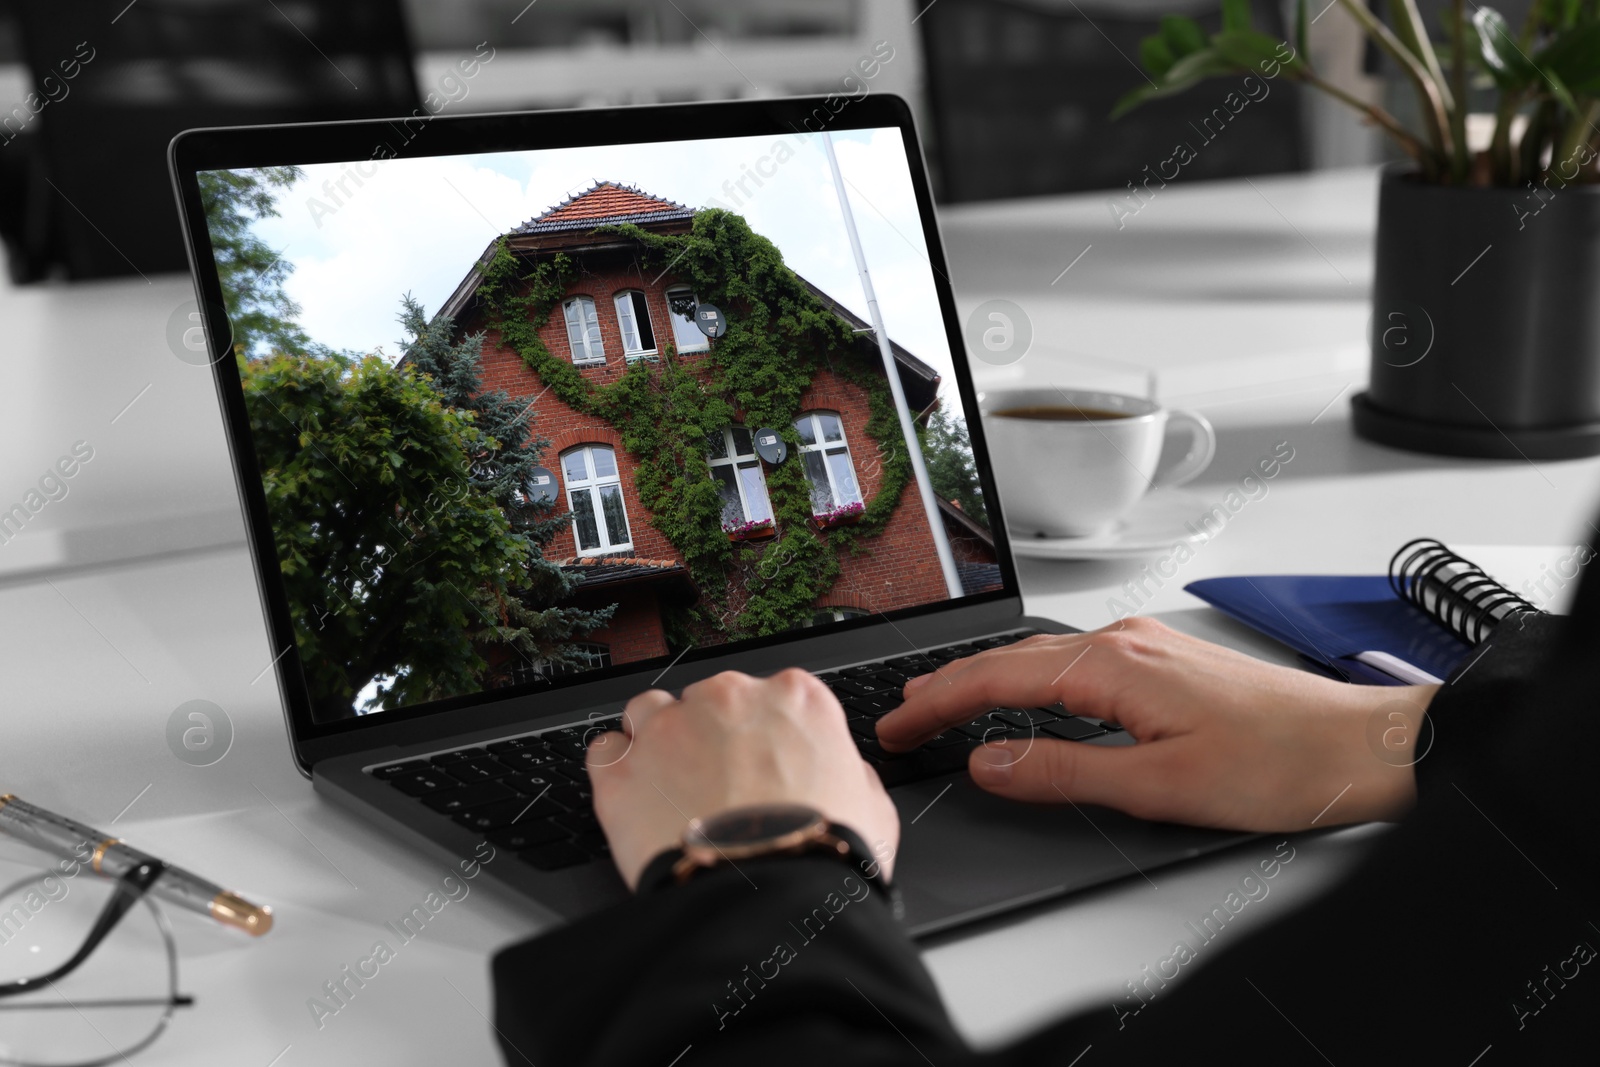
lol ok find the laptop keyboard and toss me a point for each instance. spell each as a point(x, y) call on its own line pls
point(530, 795)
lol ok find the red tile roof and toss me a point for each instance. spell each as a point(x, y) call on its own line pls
point(602, 203)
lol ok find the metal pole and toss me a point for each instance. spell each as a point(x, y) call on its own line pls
point(930, 506)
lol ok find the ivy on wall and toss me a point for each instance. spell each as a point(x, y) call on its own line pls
point(779, 337)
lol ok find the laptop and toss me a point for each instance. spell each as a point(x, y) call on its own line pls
point(531, 412)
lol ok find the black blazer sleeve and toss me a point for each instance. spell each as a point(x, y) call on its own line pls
point(1470, 927)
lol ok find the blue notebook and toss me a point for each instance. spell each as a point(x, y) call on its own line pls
point(1332, 619)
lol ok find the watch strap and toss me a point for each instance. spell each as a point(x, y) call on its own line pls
point(660, 873)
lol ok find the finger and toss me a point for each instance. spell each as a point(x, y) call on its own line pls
point(1045, 771)
point(606, 750)
point(643, 707)
point(1025, 675)
point(1059, 643)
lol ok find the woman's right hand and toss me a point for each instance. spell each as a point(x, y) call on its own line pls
point(1224, 740)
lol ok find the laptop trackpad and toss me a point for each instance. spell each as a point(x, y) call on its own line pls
point(966, 854)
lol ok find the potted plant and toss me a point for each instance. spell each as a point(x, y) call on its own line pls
point(1485, 333)
point(750, 530)
point(843, 515)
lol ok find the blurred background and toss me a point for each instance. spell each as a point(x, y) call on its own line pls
point(1013, 95)
point(1013, 99)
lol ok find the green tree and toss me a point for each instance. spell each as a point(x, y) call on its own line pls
point(947, 450)
point(251, 272)
point(397, 567)
point(503, 455)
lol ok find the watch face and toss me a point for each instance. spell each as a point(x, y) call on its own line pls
point(753, 824)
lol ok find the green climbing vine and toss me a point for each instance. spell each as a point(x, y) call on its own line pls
point(779, 337)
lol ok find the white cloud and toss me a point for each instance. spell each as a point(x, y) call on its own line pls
point(418, 225)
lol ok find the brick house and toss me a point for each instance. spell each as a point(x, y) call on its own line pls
point(613, 314)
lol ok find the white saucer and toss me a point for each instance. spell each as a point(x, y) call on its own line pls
point(1163, 518)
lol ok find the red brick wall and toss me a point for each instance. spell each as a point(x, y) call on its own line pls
point(967, 548)
point(634, 632)
point(901, 569)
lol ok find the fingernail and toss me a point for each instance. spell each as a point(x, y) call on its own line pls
point(991, 765)
point(918, 681)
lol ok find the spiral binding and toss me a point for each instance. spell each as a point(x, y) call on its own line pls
point(1452, 590)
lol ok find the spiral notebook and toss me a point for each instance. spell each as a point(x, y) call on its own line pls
point(1414, 625)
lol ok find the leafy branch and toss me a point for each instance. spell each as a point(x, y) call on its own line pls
point(1546, 122)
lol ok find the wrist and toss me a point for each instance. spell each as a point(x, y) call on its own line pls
point(1395, 734)
point(761, 832)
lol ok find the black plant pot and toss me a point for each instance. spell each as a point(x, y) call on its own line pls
point(1485, 329)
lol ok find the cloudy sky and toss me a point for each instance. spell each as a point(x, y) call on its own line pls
point(419, 224)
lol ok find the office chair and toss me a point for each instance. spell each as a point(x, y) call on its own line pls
point(84, 191)
point(1021, 93)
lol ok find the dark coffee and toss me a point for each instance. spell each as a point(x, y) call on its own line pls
point(1062, 413)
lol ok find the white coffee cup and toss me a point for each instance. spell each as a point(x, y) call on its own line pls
point(1075, 476)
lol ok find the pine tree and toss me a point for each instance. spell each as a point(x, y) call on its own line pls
point(504, 457)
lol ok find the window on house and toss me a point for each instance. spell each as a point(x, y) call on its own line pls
point(584, 656)
point(681, 303)
point(594, 492)
point(583, 330)
point(827, 615)
point(633, 316)
point(737, 471)
point(826, 456)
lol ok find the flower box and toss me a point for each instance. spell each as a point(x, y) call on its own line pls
point(758, 530)
point(844, 515)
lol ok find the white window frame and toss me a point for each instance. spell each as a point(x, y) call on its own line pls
point(737, 462)
point(843, 444)
point(702, 342)
point(627, 310)
point(590, 348)
point(592, 485)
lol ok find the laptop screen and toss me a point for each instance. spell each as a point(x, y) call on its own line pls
point(526, 417)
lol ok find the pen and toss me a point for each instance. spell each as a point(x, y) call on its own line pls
point(112, 858)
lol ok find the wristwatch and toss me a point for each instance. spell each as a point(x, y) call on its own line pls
point(757, 831)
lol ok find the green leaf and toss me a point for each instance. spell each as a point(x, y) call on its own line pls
point(1558, 89)
point(1498, 52)
point(1573, 60)
point(1155, 55)
point(1235, 15)
point(1249, 49)
point(1182, 35)
point(1192, 68)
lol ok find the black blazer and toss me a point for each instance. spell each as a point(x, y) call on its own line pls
point(1470, 930)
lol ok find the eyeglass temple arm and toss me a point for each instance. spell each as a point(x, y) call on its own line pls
point(130, 888)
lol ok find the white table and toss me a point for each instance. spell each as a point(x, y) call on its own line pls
point(1247, 302)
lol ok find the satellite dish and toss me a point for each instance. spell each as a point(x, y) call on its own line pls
point(710, 320)
point(540, 487)
point(770, 446)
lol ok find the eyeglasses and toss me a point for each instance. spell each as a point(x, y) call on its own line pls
point(87, 976)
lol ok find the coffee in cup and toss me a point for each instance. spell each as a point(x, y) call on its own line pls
point(1071, 462)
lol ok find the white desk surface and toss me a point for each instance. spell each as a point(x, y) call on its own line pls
point(1246, 301)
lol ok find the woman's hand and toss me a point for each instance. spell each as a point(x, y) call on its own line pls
point(1223, 740)
point(732, 740)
